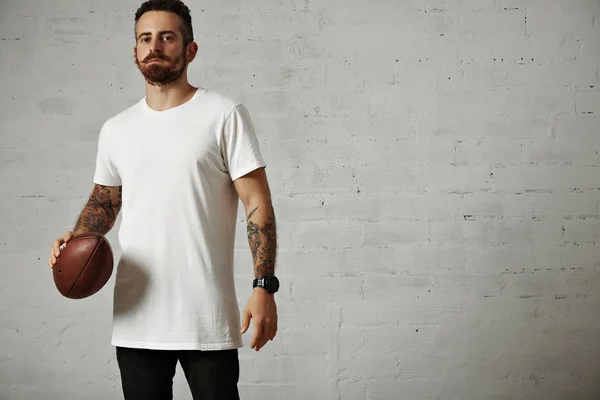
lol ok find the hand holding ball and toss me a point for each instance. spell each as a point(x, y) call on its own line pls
point(84, 266)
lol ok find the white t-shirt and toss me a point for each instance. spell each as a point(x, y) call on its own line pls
point(174, 286)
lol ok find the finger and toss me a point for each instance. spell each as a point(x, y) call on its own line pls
point(274, 330)
point(68, 236)
point(56, 248)
point(269, 333)
point(263, 340)
point(245, 322)
point(264, 337)
point(258, 331)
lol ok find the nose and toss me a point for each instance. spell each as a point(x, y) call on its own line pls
point(155, 45)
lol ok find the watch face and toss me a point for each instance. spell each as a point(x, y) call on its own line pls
point(272, 284)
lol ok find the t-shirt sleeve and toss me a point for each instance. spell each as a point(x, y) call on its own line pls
point(106, 173)
point(239, 146)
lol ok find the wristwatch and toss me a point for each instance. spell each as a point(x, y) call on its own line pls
point(270, 283)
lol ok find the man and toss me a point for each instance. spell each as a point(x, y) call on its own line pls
point(176, 164)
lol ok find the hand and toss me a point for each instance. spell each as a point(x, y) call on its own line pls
point(56, 247)
point(262, 309)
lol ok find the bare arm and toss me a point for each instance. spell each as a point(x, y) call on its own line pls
point(262, 237)
point(101, 211)
point(253, 190)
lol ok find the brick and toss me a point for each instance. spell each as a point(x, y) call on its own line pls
point(360, 153)
point(361, 261)
point(518, 52)
point(370, 365)
point(342, 104)
point(467, 284)
point(578, 23)
point(513, 5)
point(374, 180)
point(311, 207)
point(462, 113)
point(525, 103)
point(579, 257)
point(351, 389)
point(488, 153)
point(306, 341)
point(396, 287)
point(303, 315)
point(495, 204)
point(505, 308)
point(295, 370)
point(368, 313)
point(381, 341)
point(560, 153)
point(386, 234)
point(545, 178)
point(587, 101)
point(492, 22)
point(582, 231)
point(389, 130)
point(582, 128)
point(567, 73)
point(462, 5)
point(452, 179)
point(390, 102)
point(548, 284)
point(420, 205)
point(518, 128)
point(329, 289)
point(300, 181)
point(590, 50)
point(421, 365)
point(565, 204)
point(20, 210)
point(512, 232)
point(422, 153)
point(429, 260)
point(528, 204)
point(309, 263)
point(402, 389)
point(499, 260)
point(317, 234)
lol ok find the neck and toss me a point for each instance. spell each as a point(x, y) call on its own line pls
point(174, 94)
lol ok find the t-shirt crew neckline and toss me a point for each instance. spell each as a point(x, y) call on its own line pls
point(199, 91)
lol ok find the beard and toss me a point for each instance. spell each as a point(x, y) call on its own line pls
point(162, 72)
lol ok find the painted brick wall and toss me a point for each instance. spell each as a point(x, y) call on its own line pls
point(434, 166)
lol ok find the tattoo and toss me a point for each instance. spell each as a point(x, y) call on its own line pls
point(252, 213)
point(263, 244)
point(99, 214)
point(253, 239)
point(117, 205)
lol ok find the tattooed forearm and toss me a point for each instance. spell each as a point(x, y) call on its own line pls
point(100, 212)
point(262, 237)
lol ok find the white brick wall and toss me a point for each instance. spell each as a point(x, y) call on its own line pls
point(434, 167)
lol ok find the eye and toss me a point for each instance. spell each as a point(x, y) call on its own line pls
point(167, 37)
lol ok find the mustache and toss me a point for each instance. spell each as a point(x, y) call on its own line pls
point(156, 57)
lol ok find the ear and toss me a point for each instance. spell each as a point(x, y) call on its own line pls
point(191, 51)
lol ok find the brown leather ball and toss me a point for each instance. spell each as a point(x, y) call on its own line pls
point(84, 266)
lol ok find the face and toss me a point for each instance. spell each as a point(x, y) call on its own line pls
point(159, 52)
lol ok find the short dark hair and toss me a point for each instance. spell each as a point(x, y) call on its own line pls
point(174, 6)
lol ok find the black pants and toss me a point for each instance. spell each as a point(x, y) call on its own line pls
point(148, 374)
